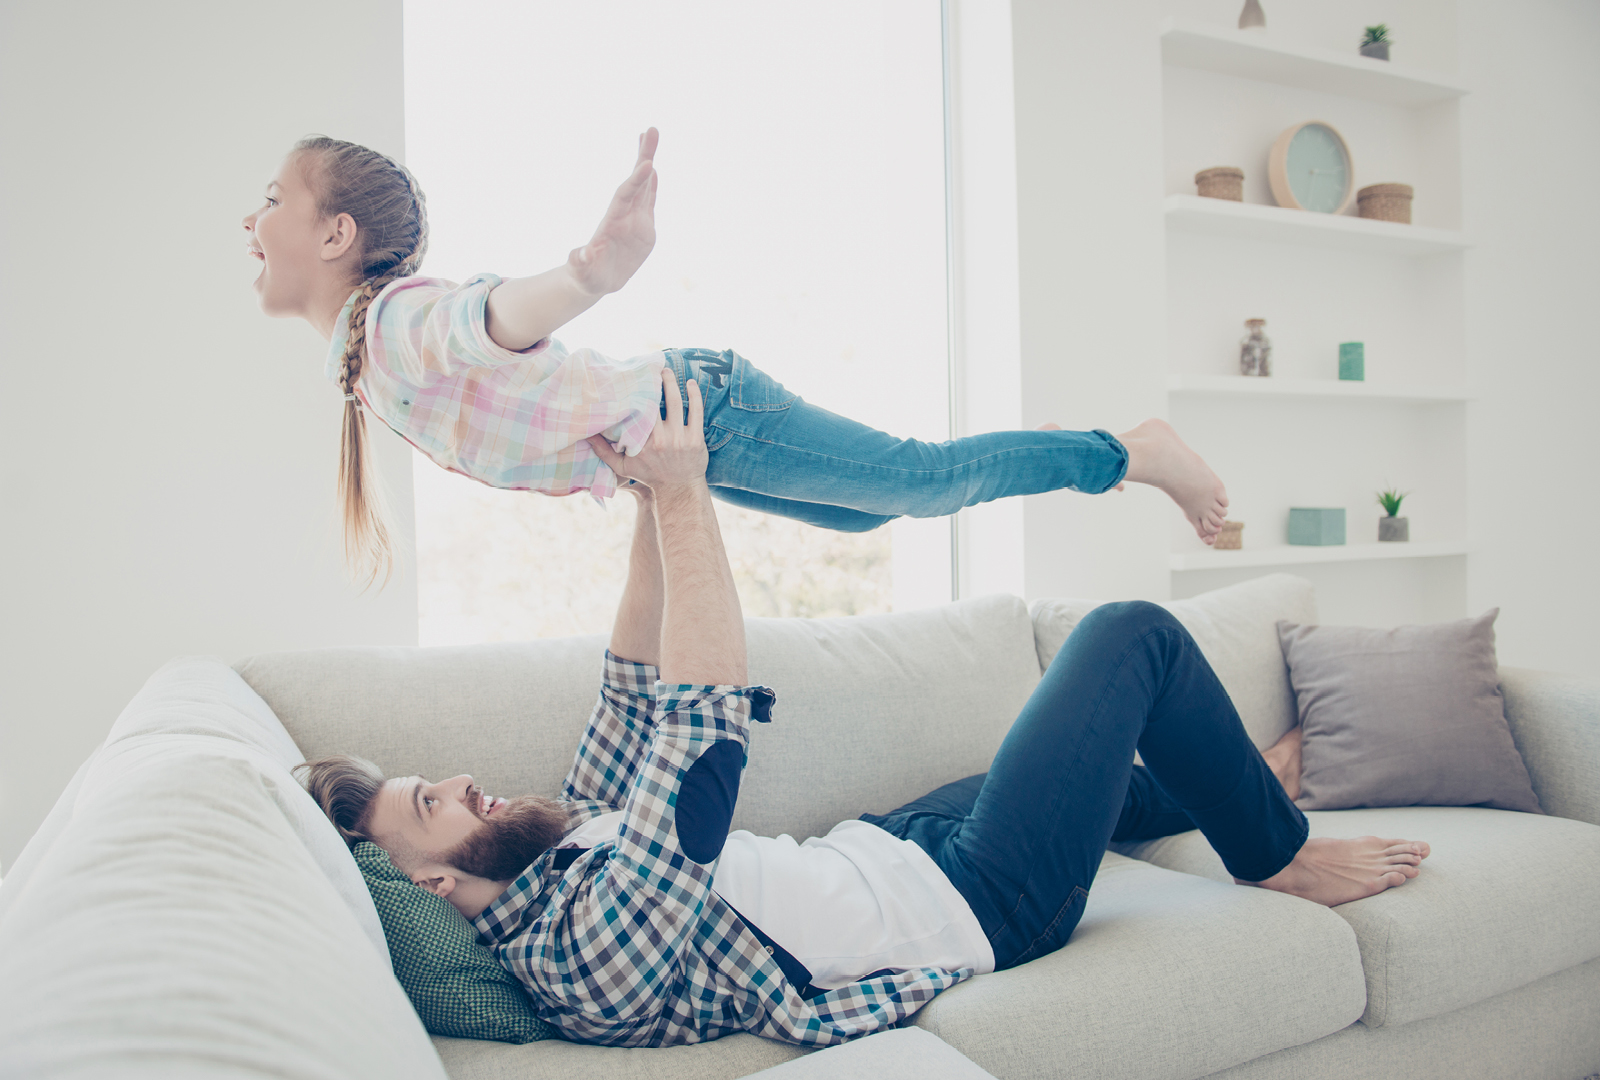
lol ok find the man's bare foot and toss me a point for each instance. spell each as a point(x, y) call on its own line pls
point(1333, 872)
point(1156, 456)
point(1283, 758)
point(1050, 426)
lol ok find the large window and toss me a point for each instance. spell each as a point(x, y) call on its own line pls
point(800, 221)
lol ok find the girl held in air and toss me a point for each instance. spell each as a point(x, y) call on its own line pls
point(470, 375)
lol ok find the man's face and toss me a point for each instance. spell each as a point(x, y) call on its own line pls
point(410, 815)
point(446, 833)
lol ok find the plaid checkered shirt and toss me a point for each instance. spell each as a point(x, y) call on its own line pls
point(629, 945)
point(512, 420)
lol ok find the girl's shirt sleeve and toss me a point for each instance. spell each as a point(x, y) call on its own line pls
point(510, 419)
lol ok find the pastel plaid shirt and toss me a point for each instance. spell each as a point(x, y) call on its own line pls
point(629, 945)
point(509, 419)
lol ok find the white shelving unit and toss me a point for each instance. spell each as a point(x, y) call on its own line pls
point(1241, 386)
point(1252, 54)
point(1315, 277)
point(1191, 213)
point(1287, 555)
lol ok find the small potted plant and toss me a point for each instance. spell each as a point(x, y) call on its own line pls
point(1376, 43)
point(1392, 527)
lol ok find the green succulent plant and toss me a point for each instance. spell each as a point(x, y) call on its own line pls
point(1390, 500)
point(1377, 35)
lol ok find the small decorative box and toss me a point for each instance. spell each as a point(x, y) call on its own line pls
point(1353, 361)
point(1316, 526)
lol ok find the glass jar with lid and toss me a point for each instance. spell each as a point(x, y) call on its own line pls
point(1255, 349)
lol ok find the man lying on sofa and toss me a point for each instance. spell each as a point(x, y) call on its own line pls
point(635, 918)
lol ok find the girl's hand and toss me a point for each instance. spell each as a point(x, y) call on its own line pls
point(675, 453)
point(626, 234)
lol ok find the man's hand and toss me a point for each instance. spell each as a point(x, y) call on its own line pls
point(626, 234)
point(675, 454)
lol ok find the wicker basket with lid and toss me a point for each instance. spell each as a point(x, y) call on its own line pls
point(1385, 202)
point(1223, 182)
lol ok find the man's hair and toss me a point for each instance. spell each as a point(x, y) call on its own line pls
point(345, 786)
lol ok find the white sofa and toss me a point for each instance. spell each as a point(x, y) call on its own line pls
point(185, 910)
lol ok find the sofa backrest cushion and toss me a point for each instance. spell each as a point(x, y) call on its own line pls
point(181, 907)
point(1236, 629)
point(872, 711)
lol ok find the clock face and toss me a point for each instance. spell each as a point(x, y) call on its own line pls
point(1318, 168)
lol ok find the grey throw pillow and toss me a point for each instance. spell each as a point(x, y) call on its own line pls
point(1404, 717)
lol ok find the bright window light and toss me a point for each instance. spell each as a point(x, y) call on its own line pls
point(800, 221)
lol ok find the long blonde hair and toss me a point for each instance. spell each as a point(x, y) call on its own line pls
point(391, 217)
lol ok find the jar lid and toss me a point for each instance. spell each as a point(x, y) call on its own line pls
point(1255, 322)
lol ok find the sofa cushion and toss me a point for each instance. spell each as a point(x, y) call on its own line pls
point(178, 924)
point(872, 711)
point(1500, 902)
point(1167, 977)
point(454, 982)
point(905, 1054)
point(1409, 716)
point(1234, 628)
point(727, 1058)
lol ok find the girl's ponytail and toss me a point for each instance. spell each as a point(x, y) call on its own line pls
point(392, 229)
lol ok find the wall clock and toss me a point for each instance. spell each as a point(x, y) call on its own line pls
point(1309, 169)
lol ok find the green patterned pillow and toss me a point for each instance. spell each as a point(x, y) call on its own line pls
point(456, 985)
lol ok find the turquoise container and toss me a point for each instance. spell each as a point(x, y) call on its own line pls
point(1352, 361)
point(1316, 526)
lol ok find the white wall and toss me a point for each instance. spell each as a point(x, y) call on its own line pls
point(1529, 132)
point(169, 487)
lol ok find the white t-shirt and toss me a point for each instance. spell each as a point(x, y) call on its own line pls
point(844, 905)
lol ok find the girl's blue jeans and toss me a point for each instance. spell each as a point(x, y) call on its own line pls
point(772, 451)
point(1022, 842)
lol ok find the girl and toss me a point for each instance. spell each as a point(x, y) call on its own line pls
point(469, 375)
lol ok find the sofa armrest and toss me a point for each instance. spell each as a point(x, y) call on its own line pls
point(1555, 721)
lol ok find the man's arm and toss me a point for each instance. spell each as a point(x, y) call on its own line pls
point(636, 633)
point(702, 631)
point(524, 311)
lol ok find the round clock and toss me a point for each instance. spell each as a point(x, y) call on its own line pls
point(1310, 169)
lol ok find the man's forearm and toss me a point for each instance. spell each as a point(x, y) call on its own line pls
point(702, 634)
point(636, 635)
point(524, 311)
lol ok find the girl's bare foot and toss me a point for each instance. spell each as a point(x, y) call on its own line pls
point(1283, 758)
point(1156, 456)
point(1333, 872)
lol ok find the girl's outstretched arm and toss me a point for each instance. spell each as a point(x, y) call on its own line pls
point(524, 311)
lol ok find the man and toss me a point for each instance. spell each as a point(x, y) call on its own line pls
point(635, 918)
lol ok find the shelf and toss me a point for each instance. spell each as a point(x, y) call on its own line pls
point(1284, 555)
point(1242, 386)
point(1252, 221)
point(1253, 54)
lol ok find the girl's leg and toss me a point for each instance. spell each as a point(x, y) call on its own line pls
point(766, 441)
point(1128, 677)
point(838, 518)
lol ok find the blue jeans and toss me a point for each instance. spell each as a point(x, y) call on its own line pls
point(772, 451)
point(1022, 843)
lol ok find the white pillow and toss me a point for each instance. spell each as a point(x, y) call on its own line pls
point(1236, 629)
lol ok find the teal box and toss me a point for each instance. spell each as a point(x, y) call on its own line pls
point(1316, 527)
point(1352, 361)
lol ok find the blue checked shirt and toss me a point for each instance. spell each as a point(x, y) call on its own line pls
point(629, 945)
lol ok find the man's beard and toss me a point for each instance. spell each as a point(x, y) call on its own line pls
point(511, 838)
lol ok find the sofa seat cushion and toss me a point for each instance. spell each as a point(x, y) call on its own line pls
point(872, 711)
point(905, 1054)
point(1167, 977)
point(1499, 904)
point(727, 1058)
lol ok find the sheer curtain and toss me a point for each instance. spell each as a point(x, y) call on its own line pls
point(800, 221)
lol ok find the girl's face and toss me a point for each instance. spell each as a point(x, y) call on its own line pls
point(301, 252)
